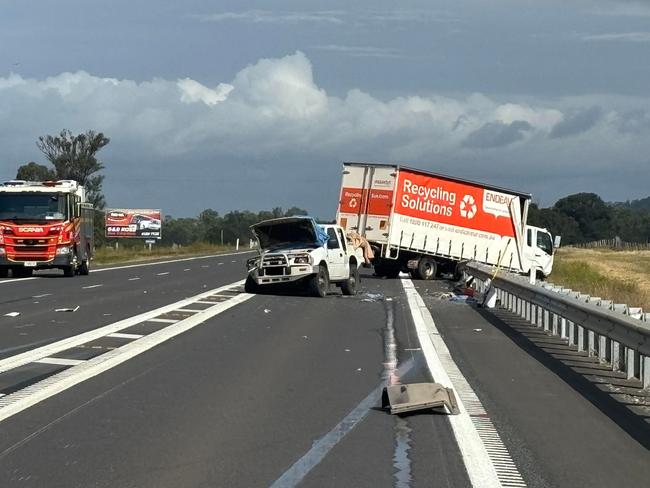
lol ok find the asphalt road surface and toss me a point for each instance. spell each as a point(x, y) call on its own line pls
point(168, 375)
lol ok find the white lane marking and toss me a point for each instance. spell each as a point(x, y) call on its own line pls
point(60, 361)
point(205, 266)
point(219, 264)
point(163, 273)
point(51, 349)
point(18, 280)
point(189, 310)
point(136, 278)
point(163, 321)
point(91, 286)
point(478, 464)
point(187, 269)
point(296, 473)
point(123, 335)
point(30, 396)
point(42, 296)
point(322, 447)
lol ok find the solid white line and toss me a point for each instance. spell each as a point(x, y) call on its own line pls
point(163, 321)
point(91, 286)
point(479, 467)
point(189, 310)
point(57, 383)
point(60, 361)
point(51, 349)
point(124, 335)
point(205, 302)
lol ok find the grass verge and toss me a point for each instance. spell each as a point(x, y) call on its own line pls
point(621, 276)
point(108, 255)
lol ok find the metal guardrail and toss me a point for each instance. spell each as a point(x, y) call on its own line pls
point(615, 333)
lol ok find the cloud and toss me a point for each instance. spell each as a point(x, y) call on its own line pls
point(576, 123)
point(239, 142)
point(618, 37)
point(361, 51)
point(269, 17)
point(497, 134)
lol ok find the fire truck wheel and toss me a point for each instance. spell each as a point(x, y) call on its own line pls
point(4, 273)
point(84, 267)
point(21, 272)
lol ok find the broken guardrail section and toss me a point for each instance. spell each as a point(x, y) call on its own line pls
point(418, 396)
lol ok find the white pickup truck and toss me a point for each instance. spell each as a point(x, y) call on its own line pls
point(298, 250)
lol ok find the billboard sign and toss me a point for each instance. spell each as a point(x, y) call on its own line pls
point(135, 223)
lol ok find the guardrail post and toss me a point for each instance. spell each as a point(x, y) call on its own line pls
point(645, 372)
point(546, 319)
point(556, 324)
point(571, 332)
point(617, 362)
point(604, 349)
point(591, 343)
point(631, 363)
point(581, 338)
point(563, 328)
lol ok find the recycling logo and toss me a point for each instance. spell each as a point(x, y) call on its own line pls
point(468, 207)
point(353, 203)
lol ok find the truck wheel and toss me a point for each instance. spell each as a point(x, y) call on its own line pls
point(392, 273)
point(4, 272)
point(84, 267)
point(250, 286)
point(349, 286)
point(319, 284)
point(427, 268)
point(22, 272)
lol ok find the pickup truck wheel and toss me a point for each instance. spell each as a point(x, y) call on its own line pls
point(349, 286)
point(250, 286)
point(320, 282)
point(427, 268)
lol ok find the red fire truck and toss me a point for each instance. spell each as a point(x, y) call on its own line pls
point(46, 225)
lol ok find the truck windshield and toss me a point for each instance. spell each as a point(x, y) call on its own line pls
point(544, 242)
point(33, 206)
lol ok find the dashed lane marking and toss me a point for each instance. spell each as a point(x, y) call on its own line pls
point(163, 273)
point(91, 286)
point(60, 361)
point(135, 278)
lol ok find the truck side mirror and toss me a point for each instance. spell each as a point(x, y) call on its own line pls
point(556, 242)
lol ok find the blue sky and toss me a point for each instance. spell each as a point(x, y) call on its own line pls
point(244, 104)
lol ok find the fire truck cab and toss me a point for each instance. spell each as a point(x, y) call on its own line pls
point(45, 225)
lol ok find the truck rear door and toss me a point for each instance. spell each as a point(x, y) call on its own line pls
point(367, 199)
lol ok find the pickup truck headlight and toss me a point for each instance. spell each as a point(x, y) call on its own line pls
point(301, 260)
point(63, 251)
point(252, 263)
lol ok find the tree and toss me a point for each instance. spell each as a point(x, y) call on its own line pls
point(35, 172)
point(74, 158)
point(593, 216)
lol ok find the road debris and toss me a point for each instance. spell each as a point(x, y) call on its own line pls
point(373, 297)
point(12, 314)
point(267, 310)
point(477, 330)
point(68, 309)
point(418, 396)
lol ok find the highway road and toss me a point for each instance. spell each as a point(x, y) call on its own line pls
point(168, 375)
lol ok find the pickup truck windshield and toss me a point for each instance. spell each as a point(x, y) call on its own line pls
point(33, 206)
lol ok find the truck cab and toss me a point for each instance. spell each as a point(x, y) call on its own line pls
point(298, 251)
point(538, 250)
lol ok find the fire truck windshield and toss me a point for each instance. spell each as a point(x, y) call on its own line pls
point(36, 207)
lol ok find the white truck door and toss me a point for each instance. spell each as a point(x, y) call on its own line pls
point(538, 250)
point(335, 256)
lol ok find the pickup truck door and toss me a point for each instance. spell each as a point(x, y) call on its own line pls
point(336, 255)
